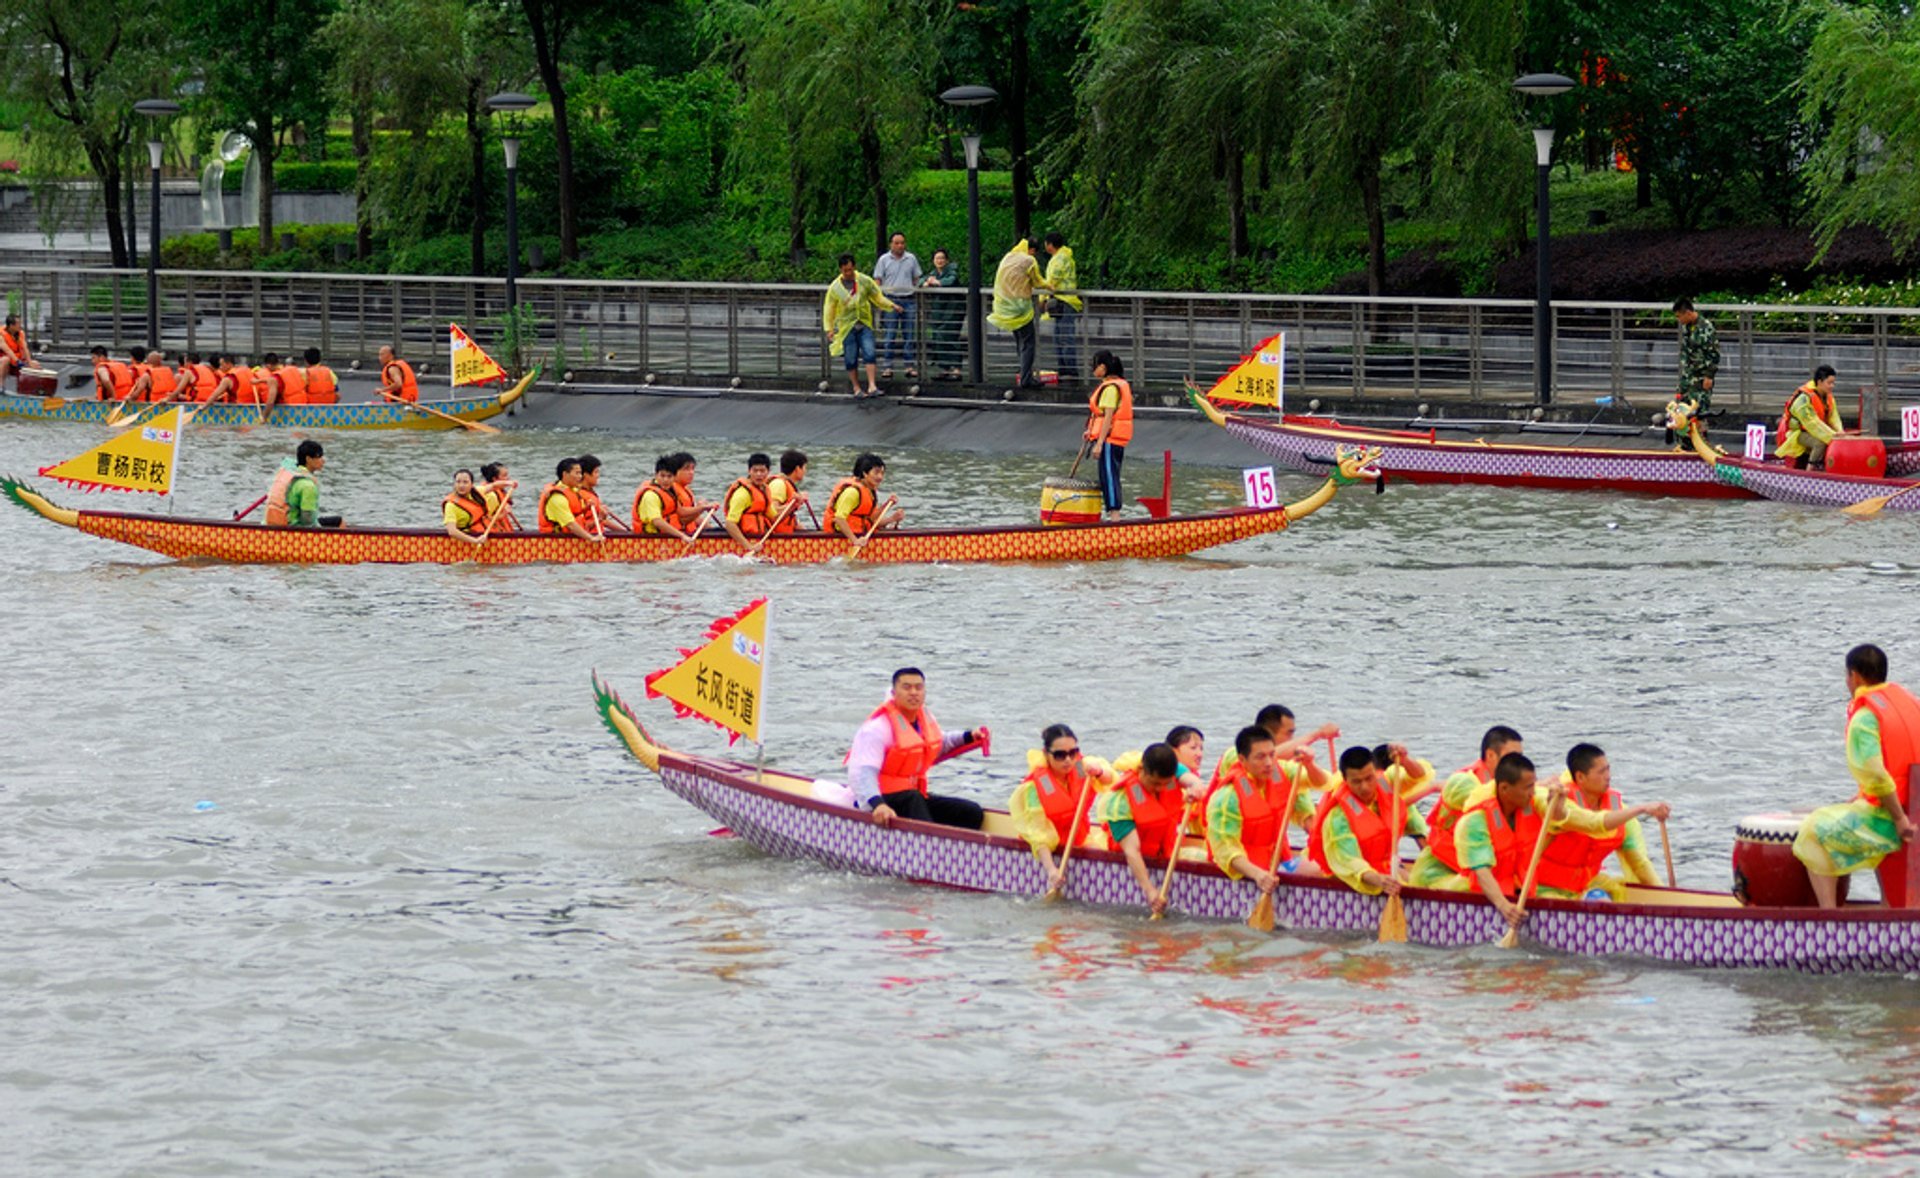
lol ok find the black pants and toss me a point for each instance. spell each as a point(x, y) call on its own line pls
point(1026, 339)
point(909, 803)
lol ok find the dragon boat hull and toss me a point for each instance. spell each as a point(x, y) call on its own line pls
point(778, 814)
point(226, 540)
point(358, 415)
point(1809, 488)
point(1306, 443)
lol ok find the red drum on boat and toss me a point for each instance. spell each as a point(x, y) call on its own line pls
point(38, 382)
point(1765, 872)
point(1857, 456)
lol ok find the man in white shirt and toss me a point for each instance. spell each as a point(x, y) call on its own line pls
point(892, 751)
point(898, 273)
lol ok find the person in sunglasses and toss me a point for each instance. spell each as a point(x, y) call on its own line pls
point(1052, 806)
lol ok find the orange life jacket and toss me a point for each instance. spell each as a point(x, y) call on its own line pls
point(118, 382)
point(293, 385)
point(1572, 859)
point(205, 379)
point(574, 501)
point(913, 752)
point(264, 382)
point(160, 382)
point(672, 498)
point(16, 342)
point(495, 495)
point(1121, 431)
point(1444, 819)
point(277, 515)
point(1156, 816)
point(1815, 399)
point(860, 519)
point(243, 391)
point(323, 388)
point(409, 387)
point(476, 510)
point(1899, 716)
point(593, 514)
point(1261, 827)
point(754, 520)
point(790, 523)
point(1369, 829)
point(1512, 845)
point(1058, 802)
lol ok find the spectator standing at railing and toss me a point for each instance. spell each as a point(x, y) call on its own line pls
point(1014, 282)
point(1063, 309)
point(898, 273)
point(945, 316)
point(846, 315)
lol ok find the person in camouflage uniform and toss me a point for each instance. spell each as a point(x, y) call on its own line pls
point(1699, 357)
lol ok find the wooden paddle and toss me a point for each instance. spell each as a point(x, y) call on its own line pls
point(1512, 939)
point(1173, 861)
point(1055, 891)
point(1667, 846)
point(879, 517)
point(693, 533)
point(1393, 918)
point(771, 525)
point(1261, 918)
point(1078, 458)
point(1867, 508)
point(479, 427)
point(506, 497)
point(114, 418)
point(240, 515)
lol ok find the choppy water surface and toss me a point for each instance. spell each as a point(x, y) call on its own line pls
point(437, 921)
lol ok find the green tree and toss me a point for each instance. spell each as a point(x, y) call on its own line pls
point(263, 58)
point(1862, 74)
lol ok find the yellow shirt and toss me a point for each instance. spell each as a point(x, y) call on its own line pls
point(558, 511)
point(847, 502)
point(652, 508)
point(449, 513)
point(738, 502)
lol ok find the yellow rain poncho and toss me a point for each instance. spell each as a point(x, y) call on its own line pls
point(1061, 276)
point(842, 309)
point(1013, 285)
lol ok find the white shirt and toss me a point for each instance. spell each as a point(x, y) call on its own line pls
point(870, 745)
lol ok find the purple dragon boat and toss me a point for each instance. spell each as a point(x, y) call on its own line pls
point(787, 815)
point(1809, 488)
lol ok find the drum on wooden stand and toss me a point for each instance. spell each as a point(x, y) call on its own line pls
point(1765, 872)
point(1069, 501)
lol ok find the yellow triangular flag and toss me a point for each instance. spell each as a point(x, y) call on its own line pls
point(725, 681)
point(140, 459)
point(471, 364)
point(1256, 379)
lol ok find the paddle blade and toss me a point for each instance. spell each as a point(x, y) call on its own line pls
point(1052, 896)
point(1260, 920)
point(1511, 940)
point(1393, 922)
point(1867, 507)
point(1156, 916)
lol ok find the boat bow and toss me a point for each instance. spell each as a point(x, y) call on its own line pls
point(32, 500)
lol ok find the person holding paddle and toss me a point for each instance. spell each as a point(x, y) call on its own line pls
point(1143, 813)
point(294, 498)
point(1570, 866)
point(1052, 806)
point(465, 512)
point(892, 752)
point(1357, 827)
point(853, 509)
point(397, 382)
point(112, 380)
point(1438, 865)
point(749, 507)
point(1499, 839)
point(664, 505)
point(596, 516)
point(1245, 829)
point(561, 506)
point(1874, 830)
point(496, 488)
point(785, 486)
point(1109, 425)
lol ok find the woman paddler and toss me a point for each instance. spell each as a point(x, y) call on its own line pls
point(465, 511)
point(495, 486)
point(1142, 812)
point(1052, 806)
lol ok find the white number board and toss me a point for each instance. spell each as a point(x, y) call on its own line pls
point(1756, 442)
point(1910, 424)
point(1260, 489)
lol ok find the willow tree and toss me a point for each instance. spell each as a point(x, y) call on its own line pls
point(1863, 72)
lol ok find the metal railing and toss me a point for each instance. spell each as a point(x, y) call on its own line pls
point(1441, 349)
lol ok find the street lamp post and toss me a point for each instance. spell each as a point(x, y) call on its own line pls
point(154, 109)
point(1542, 86)
point(511, 104)
point(970, 96)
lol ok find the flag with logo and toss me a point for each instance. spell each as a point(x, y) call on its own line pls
point(1256, 380)
point(723, 682)
point(471, 364)
point(141, 458)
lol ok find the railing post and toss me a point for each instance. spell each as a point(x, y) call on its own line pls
point(1416, 349)
point(53, 296)
point(1476, 360)
point(1139, 362)
point(686, 331)
point(1616, 346)
point(1358, 364)
point(646, 329)
point(733, 332)
point(395, 341)
point(326, 316)
point(1882, 362)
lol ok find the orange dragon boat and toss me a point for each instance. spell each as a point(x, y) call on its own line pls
point(228, 540)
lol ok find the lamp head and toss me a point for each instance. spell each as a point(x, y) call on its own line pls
point(156, 108)
point(969, 95)
point(1543, 85)
point(511, 102)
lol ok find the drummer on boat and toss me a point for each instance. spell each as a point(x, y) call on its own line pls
point(1873, 831)
point(1438, 864)
point(1810, 421)
point(1570, 866)
point(561, 506)
point(854, 510)
point(465, 512)
point(1356, 831)
point(892, 752)
point(13, 350)
point(1052, 806)
point(1244, 824)
point(749, 511)
point(1141, 813)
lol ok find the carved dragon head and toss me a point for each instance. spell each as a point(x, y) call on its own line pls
point(1353, 465)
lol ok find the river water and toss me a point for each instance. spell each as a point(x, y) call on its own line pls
point(334, 871)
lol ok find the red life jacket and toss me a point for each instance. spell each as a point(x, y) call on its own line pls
point(1571, 859)
point(574, 502)
point(790, 523)
point(754, 520)
point(243, 391)
point(1512, 845)
point(323, 388)
point(16, 342)
point(1058, 802)
point(1899, 716)
point(1260, 819)
point(593, 514)
point(118, 380)
point(204, 381)
point(1369, 829)
point(1444, 819)
point(860, 519)
point(1819, 404)
point(1156, 816)
point(913, 752)
point(476, 512)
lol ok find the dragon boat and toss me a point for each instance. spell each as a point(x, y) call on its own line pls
point(228, 540)
point(787, 815)
point(1809, 488)
point(357, 415)
point(1305, 443)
